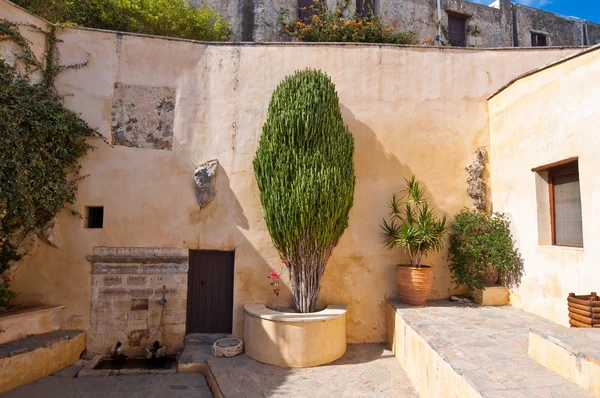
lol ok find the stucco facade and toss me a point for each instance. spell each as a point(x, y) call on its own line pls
point(543, 118)
point(410, 109)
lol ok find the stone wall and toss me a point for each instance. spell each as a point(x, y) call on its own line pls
point(260, 20)
point(126, 286)
point(561, 31)
point(411, 110)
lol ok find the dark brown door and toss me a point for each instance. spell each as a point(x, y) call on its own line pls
point(457, 30)
point(210, 292)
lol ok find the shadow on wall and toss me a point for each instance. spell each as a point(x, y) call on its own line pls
point(361, 272)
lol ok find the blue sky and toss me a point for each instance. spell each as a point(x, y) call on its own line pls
point(585, 9)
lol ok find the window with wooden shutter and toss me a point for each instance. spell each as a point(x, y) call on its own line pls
point(565, 206)
point(306, 9)
point(539, 40)
point(564, 196)
point(457, 29)
point(365, 8)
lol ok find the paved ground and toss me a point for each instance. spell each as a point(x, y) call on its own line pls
point(148, 386)
point(366, 370)
point(488, 345)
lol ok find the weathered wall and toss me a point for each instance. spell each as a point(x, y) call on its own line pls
point(561, 30)
point(546, 117)
point(412, 110)
point(593, 33)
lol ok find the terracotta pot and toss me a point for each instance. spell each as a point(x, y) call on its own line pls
point(414, 283)
point(489, 276)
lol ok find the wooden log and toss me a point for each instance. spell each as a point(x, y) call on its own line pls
point(595, 310)
point(587, 313)
point(577, 324)
point(585, 302)
point(584, 319)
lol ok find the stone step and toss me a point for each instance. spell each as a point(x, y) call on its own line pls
point(194, 359)
point(573, 353)
point(29, 321)
point(30, 358)
point(204, 338)
point(471, 351)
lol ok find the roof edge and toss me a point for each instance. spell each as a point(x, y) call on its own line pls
point(544, 67)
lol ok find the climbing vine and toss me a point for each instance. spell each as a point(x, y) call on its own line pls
point(40, 147)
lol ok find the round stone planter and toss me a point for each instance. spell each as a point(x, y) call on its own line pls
point(294, 340)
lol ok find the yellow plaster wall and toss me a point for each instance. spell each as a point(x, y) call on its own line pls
point(546, 117)
point(412, 110)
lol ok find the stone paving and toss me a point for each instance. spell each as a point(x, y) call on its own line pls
point(488, 346)
point(147, 386)
point(366, 370)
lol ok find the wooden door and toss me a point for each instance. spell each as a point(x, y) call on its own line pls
point(457, 30)
point(210, 292)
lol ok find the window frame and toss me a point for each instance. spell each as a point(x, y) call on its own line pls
point(571, 167)
point(535, 33)
point(461, 17)
point(99, 219)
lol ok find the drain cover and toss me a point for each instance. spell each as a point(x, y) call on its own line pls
point(228, 347)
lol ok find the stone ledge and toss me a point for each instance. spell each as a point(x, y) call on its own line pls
point(260, 311)
point(29, 321)
point(573, 353)
point(32, 343)
point(31, 358)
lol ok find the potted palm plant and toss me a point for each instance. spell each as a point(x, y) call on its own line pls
point(414, 227)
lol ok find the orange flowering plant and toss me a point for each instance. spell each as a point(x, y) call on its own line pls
point(338, 25)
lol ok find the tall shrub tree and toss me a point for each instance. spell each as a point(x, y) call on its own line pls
point(305, 175)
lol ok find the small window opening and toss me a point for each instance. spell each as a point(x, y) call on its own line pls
point(539, 39)
point(94, 217)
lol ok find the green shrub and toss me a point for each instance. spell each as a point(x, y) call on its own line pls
point(40, 147)
point(334, 26)
point(413, 225)
point(6, 295)
point(478, 241)
point(175, 18)
point(305, 175)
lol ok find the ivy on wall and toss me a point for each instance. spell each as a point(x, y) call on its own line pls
point(40, 147)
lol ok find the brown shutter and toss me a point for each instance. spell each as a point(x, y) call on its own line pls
point(567, 210)
point(457, 30)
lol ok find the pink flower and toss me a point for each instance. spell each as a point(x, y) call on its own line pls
point(285, 262)
point(273, 275)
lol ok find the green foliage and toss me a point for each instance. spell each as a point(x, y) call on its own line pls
point(175, 18)
point(40, 146)
point(305, 175)
point(6, 295)
point(478, 241)
point(413, 225)
point(333, 26)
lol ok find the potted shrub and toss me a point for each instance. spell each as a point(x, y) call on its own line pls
point(305, 175)
point(414, 227)
point(481, 248)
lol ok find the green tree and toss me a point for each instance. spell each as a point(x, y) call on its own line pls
point(175, 18)
point(305, 175)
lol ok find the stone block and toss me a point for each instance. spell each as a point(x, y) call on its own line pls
point(29, 321)
point(142, 116)
point(492, 295)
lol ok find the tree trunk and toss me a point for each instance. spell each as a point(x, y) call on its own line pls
point(305, 277)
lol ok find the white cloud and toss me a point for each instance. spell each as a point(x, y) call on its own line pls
point(530, 3)
point(534, 3)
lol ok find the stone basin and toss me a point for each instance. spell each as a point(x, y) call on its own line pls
point(294, 340)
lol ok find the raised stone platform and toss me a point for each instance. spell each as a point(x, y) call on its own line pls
point(571, 352)
point(461, 350)
point(28, 359)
